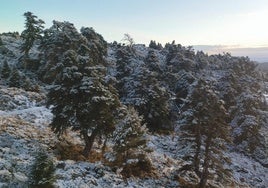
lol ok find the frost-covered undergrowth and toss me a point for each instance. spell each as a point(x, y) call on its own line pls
point(24, 121)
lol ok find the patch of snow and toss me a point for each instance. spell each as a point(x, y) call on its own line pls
point(266, 97)
point(247, 170)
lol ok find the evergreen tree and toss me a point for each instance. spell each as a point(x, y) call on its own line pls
point(42, 171)
point(96, 47)
point(123, 68)
point(33, 30)
point(206, 129)
point(153, 44)
point(15, 78)
point(130, 142)
point(82, 100)
point(145, 93)
point(153, 64)
point(241, 89)
point(139, 86)
point(247, 122)
point(58, 39)
point(5, 70)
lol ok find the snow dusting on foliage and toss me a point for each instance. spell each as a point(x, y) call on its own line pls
point(157, 82)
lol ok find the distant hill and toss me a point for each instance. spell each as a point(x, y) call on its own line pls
point(258, 54)
point(263, 66)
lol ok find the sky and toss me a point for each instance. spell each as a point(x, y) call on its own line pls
point(224, 25)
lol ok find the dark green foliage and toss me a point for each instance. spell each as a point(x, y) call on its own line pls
point(33, 30)
point(31, 64)
point(1, 42)
point(130, 143)
point(82, 99)
point(62, 37)
point(155, 46)
point(183, 86)
point(83, 102)
point(5, 72)
point(179, 58)
point(140, 86)
point(97, 46)
point(129, 135)
point(15, 78)
point(206, 130)
point(29, 85)
point(240, 88)
point(42, 171)
point(153, 64)
point(19, 80)
point(155, 106)
point(248, 123)
point(6, 52)
point(123, 59)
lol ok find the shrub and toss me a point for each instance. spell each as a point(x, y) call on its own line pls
point(42, 171)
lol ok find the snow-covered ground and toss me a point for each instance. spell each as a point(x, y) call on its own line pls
point(247, 170)
point(24, 130)
point(266, 97)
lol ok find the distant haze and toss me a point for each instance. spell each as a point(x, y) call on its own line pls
point(259, 54)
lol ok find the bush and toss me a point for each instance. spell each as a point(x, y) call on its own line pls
point(5, 72)
point(42, 171)
point(15, 79)
point(130, 145)
point(138, 168)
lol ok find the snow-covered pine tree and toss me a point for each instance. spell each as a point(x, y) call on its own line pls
point(153, 64)
point(130, 143)
point(42, 171)
point(153, 45)
point(247, 122)
point(241, 88)
point(15, 78)
point(139, 86)
point(81, 98)
point(206, 129)
point(59, 38)
point(157, 108)
point(96, 46)
point(144, 92)
point(33, 30)
point(123, 69)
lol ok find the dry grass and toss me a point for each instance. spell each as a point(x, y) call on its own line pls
point(68, 151)
point(141, 169)
point(185, 184)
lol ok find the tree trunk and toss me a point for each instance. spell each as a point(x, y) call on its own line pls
point(196, 162)
point(89, 140)
point(205, 172)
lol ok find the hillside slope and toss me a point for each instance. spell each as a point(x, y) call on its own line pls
point(159, 83)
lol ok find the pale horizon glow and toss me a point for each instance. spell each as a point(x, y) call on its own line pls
point(229, 23)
